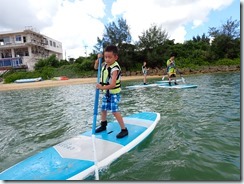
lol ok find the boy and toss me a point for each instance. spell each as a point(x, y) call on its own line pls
point(144, 72)
point(171, 69)
point(110, 76)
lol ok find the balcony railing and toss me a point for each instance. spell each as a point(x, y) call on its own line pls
point(11, 62)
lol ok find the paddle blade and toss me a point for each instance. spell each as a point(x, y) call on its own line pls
point(183, 80)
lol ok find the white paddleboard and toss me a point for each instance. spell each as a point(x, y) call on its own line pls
point(179, 86)
point(73, 159)
point(141, 86)
point(28, 80)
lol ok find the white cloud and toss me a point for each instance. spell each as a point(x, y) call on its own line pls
point(78, 23)
point(18, 14)
point(44, 9)
point(178, 34)
point(172, 15)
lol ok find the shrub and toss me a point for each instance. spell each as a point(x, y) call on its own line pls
point(20, 75)
point(228, 62)
point(47, 72)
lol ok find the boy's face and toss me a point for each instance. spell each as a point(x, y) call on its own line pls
point(110, 57)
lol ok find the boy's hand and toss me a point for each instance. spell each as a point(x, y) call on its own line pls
point(99, 56)
point(99, 86)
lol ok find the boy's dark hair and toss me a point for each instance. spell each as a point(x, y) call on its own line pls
point(112, 48)
point(173, 54)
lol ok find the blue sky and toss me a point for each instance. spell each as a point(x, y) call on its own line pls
point(215, 19)
point(78, 23)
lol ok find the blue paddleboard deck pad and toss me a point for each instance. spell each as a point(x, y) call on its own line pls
point(73, 159)
point(141, 86)
point(179, 86)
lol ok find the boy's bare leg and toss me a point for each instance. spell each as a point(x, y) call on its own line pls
point(104, 116)
point(169, 80)
point(119, 118)
point(175, 80)
point(144, 79)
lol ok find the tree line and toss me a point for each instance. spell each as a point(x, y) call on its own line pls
point(220, 47)
point(154, 45)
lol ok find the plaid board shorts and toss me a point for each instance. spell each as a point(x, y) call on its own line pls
point(110, 102)
point(172, 75)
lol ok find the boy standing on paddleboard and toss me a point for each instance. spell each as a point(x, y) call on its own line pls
point(110, 77)
point(171, 69)
point(144, 72)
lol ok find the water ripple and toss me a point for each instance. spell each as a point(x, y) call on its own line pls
point(197, 138)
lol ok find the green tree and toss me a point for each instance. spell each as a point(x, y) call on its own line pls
point(128, 56)
point(152, 38)
point(230, 29)
point(226, 40)
point(196, 50)
point(115, 34)
point(63, 62)
point(152, 45)
point(80, 60)
point(51, 61)
point(225, 47)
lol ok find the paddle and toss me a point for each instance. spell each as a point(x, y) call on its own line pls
point(95, 119)
point(183, 80)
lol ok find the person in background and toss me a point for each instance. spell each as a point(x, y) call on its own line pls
point(110, 84)
point(171, 68)
point(144, 72)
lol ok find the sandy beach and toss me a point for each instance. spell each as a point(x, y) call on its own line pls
point(52, 83)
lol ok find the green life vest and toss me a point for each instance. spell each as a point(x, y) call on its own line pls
point(106, 78)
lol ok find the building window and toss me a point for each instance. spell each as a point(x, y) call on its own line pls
point(51, 43)
point(54, 44)
point(1, 41)
point(18, 38)
point(4, 41)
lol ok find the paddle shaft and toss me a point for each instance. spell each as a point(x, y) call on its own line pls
point(183, 80)
point(95, 113)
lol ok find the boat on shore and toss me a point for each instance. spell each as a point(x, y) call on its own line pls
point(28, 80)
point(60, 78)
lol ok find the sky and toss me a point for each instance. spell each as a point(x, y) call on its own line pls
point(78, 23)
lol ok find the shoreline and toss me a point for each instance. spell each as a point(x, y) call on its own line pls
point(76, 81)
point(54, 83)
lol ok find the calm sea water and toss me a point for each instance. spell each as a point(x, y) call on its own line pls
point(197, 138)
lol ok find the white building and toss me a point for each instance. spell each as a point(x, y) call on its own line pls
point(22, 49)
